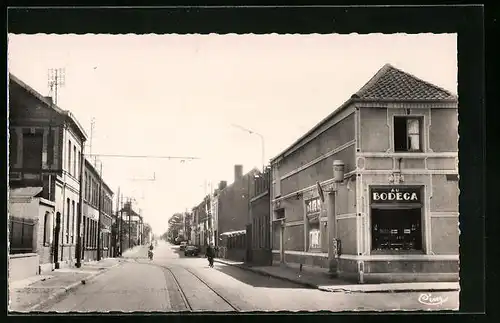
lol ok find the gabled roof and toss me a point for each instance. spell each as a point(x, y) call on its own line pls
point(68, 114)
point(90, 167)
point(388, 84)
point(392, 84)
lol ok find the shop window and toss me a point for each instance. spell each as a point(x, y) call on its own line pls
point(314, 238)
point(396, 229)
point(407, 134)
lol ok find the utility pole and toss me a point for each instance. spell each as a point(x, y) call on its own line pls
point(117, 222)
point(121, 224)
point(80, 211)
point(92, 123)
point(100, 215)
point(129, 210)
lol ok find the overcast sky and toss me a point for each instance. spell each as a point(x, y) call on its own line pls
point(178, 95)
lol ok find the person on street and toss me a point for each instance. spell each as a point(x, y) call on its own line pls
point(210, 254)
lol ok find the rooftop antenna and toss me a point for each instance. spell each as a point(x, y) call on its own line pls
point(56, 78)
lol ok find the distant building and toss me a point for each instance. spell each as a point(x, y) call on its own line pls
point(387, 163)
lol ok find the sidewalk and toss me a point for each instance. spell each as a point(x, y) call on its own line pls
point(319, 279)
point(30, 294)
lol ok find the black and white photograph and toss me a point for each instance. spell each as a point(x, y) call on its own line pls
point(221, 173)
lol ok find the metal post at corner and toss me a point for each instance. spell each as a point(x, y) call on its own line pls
point(80, 211)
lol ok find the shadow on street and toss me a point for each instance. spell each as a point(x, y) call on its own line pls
point(254, 279)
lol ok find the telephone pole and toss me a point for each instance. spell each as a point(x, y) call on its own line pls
point(80, 211)
point(117, 222)
point(121, 224)
point(129, 209)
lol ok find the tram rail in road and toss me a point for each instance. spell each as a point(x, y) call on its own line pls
point(185, 299)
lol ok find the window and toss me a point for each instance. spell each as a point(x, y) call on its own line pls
point(407, 134)
point(21, 235)
point(50, 147)
point(86, 187)
point(69, 156)
point(314, 238)
point(12, 147)
point(74, 161)
point(396, 229)
point(68, 210)
point(32, 151)
point(73, 221)
point(47, 228)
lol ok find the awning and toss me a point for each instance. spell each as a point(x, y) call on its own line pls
point(233, 233)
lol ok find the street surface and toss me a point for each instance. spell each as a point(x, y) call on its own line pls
point(173, 282)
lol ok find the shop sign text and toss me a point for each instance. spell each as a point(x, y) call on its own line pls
point(313, 205)
point(395, 195)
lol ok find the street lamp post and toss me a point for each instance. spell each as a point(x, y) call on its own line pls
point(261, 139)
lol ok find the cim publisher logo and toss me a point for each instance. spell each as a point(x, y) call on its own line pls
point(429, 299)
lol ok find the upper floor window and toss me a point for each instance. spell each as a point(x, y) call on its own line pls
point(407, 134)
point(69, 157)
point(13, 147)
point(74, 161)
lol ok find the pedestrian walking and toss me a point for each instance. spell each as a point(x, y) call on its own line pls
point(210, 254)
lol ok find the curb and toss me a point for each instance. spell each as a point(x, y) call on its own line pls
point(310, 285)
point(336, 290)
point(68, 288)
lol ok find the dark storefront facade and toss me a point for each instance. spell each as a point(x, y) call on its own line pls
point(393, 216)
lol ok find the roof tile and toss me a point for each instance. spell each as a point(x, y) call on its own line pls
point(390, 83)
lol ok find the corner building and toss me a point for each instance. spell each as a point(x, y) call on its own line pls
point(393, 216)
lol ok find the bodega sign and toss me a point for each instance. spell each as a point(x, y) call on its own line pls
point(395, 195)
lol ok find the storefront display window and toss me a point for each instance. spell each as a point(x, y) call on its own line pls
point(313, 211)
point(314, 239)
point(396, 218)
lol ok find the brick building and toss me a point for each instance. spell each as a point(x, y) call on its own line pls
point(97, 201)
point(394, 216)
point(45, 145)
point(234, 215)
point(260, 218)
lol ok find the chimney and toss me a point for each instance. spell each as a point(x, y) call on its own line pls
point(238, 172)
point(222, 185)
point(49, 98)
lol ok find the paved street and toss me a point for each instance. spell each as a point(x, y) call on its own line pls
point(173, 282)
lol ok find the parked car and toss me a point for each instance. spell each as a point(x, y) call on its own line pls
point(183, 245)
point(191, 251)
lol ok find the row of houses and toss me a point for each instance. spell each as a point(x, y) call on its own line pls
point(50, 181)
point(369, 194)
